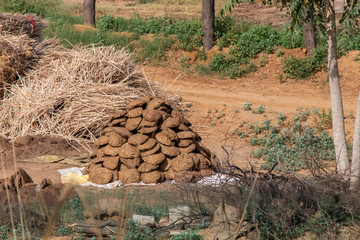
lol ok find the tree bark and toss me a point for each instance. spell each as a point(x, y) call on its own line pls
point(309, 34)
point(355, 165)
point(89, 12)
point(341, 154)
point(207, 23)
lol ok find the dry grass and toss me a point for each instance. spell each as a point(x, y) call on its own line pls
point(17, 24)
point(16, 57)
point(73, 93)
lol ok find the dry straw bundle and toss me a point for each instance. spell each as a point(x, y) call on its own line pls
point(18, 24)
point(73, 93)
point(16, 57)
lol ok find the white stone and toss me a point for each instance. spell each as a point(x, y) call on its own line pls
point(179, 212)
point(143, 219)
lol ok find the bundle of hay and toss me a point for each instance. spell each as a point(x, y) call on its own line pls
point(17, 55)
point(72, 94)
point(17, 24)
point(149, 142)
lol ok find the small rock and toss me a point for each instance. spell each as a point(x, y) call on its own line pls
point(143, 219)
point(179, 212)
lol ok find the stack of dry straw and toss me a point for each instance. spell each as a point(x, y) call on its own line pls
point(69, 93)
point(149, 142)
point(19, 36)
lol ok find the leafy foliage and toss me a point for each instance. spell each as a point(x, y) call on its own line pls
point(293, 144)
point(255, 40)
point(136, 233)
point(39, 7)
point(301, 68)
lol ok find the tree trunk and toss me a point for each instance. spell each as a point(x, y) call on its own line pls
point(89, 12)
point(207, 23)
point(355, 165)
point(341, 154)
point(309, 34)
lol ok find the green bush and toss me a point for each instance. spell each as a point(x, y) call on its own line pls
point(192, 235)
point(135, 233)
point(299, 68)
point(40, 7)
point(154, 51)
point(228, 67)
point(257, 39)
point(290, 40)
point(295, 145)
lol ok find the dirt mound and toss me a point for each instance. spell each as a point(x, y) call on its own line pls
point(152, 142)
point(16, 181)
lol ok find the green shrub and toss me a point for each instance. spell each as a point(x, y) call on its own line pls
point(72, 211)
point(231, 36)
point(136, 233)
point(259, 110)
point(191, 235)
point(40, 7)
point(295, 146)
point(247, 106)
point(290, 40)
point(236, 71)
point(154, 51)
point(146, 1)
point(219, 63)
point(257, 39)
point(299, 68)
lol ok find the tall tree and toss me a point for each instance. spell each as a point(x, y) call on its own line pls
point(337, 113)
point(324, 12)
point(355, 168)
point(89, 12)
point(207, 23)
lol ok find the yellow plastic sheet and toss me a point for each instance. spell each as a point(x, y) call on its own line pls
point(74, 179)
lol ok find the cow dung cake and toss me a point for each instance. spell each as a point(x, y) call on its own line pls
point(151, 142)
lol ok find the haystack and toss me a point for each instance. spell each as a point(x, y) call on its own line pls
point(20, 46)
point(17, 24)
point(16, 57)
point(72, 93)
point(151, 142)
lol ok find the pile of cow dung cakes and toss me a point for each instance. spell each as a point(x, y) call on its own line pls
point(150, 142)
